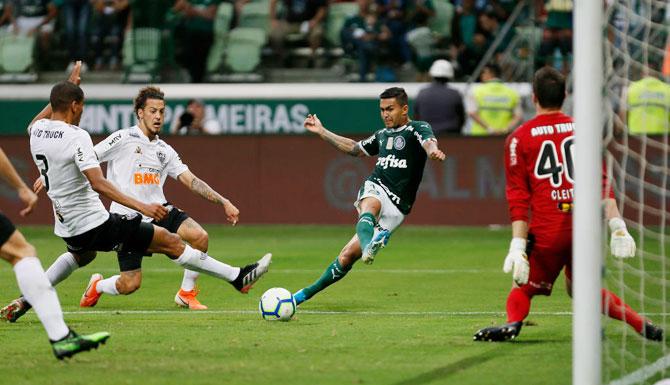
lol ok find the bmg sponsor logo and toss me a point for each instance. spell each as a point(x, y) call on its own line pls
point(146, 178)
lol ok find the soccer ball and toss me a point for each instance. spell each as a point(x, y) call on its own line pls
point(277, 304)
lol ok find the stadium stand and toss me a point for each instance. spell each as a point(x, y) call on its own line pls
point(152, 48)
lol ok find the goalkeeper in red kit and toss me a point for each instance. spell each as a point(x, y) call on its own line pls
point(539, 169)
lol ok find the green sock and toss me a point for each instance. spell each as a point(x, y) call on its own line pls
point(365, 229)
point(334, 272)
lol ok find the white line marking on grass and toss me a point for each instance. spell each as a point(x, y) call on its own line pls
point(644, 372)
point(319, 271)
point(333, 312)
point(317, 312)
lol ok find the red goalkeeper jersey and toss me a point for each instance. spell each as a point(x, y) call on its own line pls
point(539, 168)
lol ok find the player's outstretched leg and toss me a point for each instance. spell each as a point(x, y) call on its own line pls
point(186, 296)
point(184, 255)
point(615, 308)
point(334, 272)
point(504, 332)
point(74, 343)
point(250, 274)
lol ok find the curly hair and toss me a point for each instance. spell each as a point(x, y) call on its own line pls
point(145, 94)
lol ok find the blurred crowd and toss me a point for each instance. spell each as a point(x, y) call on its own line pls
point(437, 40)
point(378, 36)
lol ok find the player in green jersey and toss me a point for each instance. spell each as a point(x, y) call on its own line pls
point(388, 194)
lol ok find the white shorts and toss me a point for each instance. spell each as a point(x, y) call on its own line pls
point(389, 216)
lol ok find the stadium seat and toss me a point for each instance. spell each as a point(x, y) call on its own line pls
point(142, 52)
point(338, 13)
point(441, 23)
point(244, 48)
point(422, 42)
point(148, 45)
point(16, 53)
point(224, 16)
point(255, 15)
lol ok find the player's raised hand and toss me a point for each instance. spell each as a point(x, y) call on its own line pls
point(313, 124)
point(38, 185)
point(75, 74)
point(516, 261)
point(155, 210)
point(29, 198)
point(622, 244)
point(232, 213)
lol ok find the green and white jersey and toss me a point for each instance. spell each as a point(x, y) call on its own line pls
point(400, 162)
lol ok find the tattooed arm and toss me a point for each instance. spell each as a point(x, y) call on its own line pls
point(346, 145)
point(199, 187)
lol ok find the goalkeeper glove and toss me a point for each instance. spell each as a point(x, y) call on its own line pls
point(622, 244)
point(517, 261)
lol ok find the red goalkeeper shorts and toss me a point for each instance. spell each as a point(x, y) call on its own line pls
point(547, 256)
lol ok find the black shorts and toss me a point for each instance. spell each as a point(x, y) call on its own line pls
point(6, 229)
point(173, 220)
point(132, 260)
point(118, 232)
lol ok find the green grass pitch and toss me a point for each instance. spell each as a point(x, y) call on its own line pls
point(407, 319)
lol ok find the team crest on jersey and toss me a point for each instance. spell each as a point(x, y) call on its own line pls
point(161, 156)
point(138, 150)
point(399, 143)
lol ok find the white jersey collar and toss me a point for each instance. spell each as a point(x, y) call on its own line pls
point(399, 128)
point(138, 130)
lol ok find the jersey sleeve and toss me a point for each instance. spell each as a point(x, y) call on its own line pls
point(423, 132)
point(370, 146)
point(175, 166)
point(517, 190)
point(84, 154)
point(109, 148)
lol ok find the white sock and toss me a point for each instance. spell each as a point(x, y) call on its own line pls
point(108, 285)
point(62, 267)
point(188, 283)
point(36, 288)
point(197, 260)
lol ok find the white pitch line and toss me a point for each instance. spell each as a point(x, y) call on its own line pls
point(333, 312)
point(317, 312)
point(318, 271)
point(644, 372)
